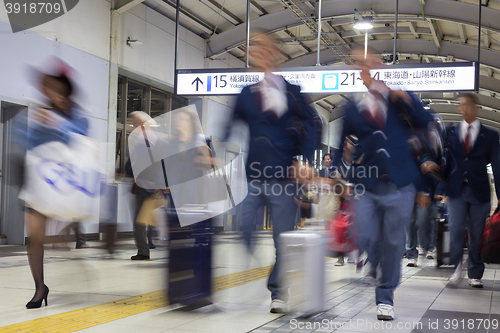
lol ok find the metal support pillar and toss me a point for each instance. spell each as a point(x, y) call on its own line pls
point(176, 55)
point(319, 34)
point(395, 32)
point(248, 34)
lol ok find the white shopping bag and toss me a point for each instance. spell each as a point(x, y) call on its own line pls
point(160, 216)
point(63, 181)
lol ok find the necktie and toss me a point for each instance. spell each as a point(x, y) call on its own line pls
point(467, 140)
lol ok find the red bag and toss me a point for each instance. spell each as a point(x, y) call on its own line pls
point(342, 231)
point(491, 240)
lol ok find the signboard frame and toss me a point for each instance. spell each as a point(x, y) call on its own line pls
point(218, 71)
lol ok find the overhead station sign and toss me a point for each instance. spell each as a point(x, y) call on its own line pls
point(332, 80)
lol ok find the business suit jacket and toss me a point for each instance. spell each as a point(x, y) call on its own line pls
point(326, 172)
point(275, 141)
point(386, 153)
point(472, 166)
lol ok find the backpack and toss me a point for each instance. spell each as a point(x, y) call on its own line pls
point(428, 141)
point(491, 239)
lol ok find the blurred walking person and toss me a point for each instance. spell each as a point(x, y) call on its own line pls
point(281, 126)
point(141, 232)
point(52, 124)
point(389, 172)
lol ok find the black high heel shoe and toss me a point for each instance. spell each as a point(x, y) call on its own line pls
point(37, 304)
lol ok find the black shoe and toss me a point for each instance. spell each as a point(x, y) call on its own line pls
point(82, 246)
point(140, 257)
point(37, 304)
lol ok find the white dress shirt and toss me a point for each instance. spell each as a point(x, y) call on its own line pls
point(273, 90)
point(369, 102)
point(474, 131)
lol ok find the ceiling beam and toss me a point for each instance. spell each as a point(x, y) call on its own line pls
point(414, 46)
point(222, 11)
point(436, 32)
point(413, 29)
point(186, 16)
point(461, 31)
point(358, 33)
point(123, 8)
point(302, 45)
point(257, 8)
point(487, 40)
point(336, 32)
point(342, 10)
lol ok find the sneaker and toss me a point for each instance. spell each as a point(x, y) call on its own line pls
point(475, 283)
point(430, 255)
point(421, 251)
point(456, 278)
point(278, 306)
point(340, 262)
point(152, 246)
point(385, 312)
point(369, 280)
point(139, 257)
point(412, 263)
point(424, 254)
point(81, 246)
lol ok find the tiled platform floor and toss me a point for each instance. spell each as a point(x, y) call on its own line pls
point(88, 277)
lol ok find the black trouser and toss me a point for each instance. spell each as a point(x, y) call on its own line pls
point(140, 235)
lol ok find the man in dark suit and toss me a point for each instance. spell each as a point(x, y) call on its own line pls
point(472, 147)
point(281, 126)
point(386, 172)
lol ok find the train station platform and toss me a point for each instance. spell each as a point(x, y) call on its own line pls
point(93, 291)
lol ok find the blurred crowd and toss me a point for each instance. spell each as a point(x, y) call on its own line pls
point(379, 198)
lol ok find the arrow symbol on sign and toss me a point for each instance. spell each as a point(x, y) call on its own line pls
point(197, 81)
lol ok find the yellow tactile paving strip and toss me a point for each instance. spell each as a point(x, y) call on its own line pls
point(76, 320)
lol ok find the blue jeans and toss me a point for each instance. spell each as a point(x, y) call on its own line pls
point(421, 225)
point(278, 195)
point(374, 252)
point(466, 210)
point(386, 211)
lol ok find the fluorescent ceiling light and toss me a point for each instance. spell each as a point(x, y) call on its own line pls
point(363, 23)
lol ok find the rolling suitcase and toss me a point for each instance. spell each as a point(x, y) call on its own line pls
point(303, 269)
point(491, 239)
point(443, 240)
point(190, 261)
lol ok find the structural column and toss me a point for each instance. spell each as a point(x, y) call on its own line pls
point(113, 93)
